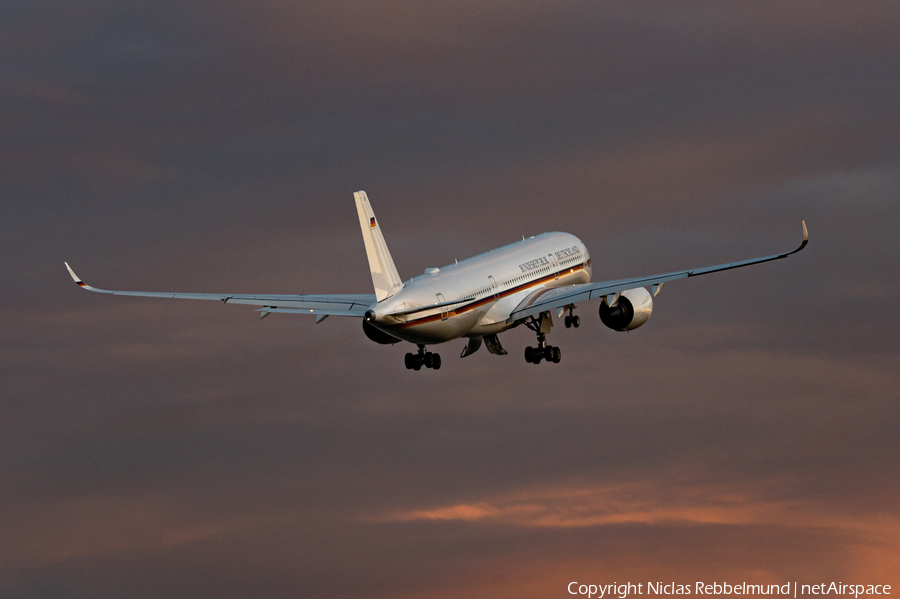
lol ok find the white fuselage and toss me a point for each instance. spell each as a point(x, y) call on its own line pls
point(488, 288)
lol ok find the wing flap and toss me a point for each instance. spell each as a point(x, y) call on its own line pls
point(312, 311)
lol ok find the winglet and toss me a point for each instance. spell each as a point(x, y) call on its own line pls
point(74, 276)
point(805, 238)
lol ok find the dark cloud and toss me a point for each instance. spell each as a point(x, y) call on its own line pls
point(155, 448)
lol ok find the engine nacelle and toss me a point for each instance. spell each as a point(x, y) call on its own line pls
point(377, 335)
point(631, 311)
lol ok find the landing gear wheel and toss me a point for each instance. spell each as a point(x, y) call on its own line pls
point(528, 356)
point(576, 322)
point(568, 321)
point(548, 352)
point(422, 358)
point(556, 355)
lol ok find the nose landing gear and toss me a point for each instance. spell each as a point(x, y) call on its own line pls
point(422, 358)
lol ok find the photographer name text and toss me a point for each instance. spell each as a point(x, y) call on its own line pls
point(790, 589)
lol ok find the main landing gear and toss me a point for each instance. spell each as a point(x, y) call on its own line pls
point(422, 358)
point(534, 355)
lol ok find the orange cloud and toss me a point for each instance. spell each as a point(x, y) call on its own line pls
point(668, 501)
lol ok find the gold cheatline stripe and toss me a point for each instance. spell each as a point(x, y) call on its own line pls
point(481, 302)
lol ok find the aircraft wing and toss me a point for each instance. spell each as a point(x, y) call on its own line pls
point(320, 305)
point(558, 297)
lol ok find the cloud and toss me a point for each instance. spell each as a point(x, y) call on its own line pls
point(669, 499)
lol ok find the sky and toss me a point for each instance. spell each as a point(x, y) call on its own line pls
point(746, 433)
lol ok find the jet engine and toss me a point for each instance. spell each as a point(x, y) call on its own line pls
point(630, 311)
point(377, 335)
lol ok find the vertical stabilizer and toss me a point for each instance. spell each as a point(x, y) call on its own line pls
point(384, 274)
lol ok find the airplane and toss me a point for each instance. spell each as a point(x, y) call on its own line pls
point(521, 283)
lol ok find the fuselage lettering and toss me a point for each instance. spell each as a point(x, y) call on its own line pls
point(534, 264)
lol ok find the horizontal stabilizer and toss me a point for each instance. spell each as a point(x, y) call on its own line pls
point(415, 309)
